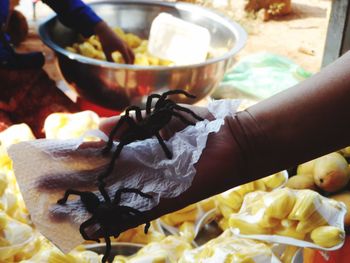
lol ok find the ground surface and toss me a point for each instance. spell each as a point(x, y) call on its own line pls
point(299, 36)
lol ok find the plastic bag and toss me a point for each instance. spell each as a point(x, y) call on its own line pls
point(187, 222)
point(231, 201)
point(260, 76)
point(301, 218)
point(230, 248)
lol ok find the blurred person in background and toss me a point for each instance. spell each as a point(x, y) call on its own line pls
point(72, 13)
point(9, 58)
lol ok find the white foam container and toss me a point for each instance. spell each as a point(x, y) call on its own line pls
point(174, 39)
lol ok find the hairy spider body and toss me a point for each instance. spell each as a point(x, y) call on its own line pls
point(146, 127)
point(108, 214)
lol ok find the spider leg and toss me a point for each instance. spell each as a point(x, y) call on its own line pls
point(112, 133)
point(147, 226)
point(110, 167)
point(137, 111)
point(167, 152)
point(149, 102)
point(178, 107)
point(183, 119)
point(86, 224)
point(108, 248)
point(138, 213)
point(106, 173)
point(66, 195)
point(128, 190)
point(178, 91)
point(116, 153)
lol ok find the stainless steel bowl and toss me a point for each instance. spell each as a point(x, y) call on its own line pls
point(116, 86)
point(118, 249)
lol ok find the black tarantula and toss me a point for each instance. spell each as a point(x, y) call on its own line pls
point(108, 214)
point(146, 127)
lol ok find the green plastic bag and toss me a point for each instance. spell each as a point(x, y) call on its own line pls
point(262, 75)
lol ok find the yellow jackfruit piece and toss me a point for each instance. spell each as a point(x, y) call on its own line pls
point(279, 203)
point(245, 189)
point(132, 40)
point(189, 213)
point(59, 257)
point(289, 223)
point(3, 183)
point(88, 50)
point(117, 57)
point(141, 59)
point(307, 202)
point(327, 236)
point(268, 222)
point(231, 198)
point(93, 40)
point(288, 254)
point(120, 259)
point(207, 204)
point(259, 185)
point(274, 181)
point(247, 228)
point(225, 210)
point(289, 232)
point(314, 221)
point(71, 49)
point(186, 230)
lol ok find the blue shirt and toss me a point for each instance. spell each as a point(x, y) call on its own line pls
point(4, 11)
point(74, 14)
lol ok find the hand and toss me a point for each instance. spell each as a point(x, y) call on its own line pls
point(111, 42)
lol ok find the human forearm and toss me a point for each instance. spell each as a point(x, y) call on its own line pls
point(308, 120)
point(302, 123)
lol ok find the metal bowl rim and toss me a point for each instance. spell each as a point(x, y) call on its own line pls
point(130, 244)
point(232, 25)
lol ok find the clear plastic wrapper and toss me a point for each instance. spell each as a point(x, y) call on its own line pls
point(188, 221)
point(230, 248)
point(14, 236)
point(301, 218)
point(137, 235)
point(231, 201)
point(169, 249)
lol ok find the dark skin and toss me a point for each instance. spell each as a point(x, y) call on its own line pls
point(292, 127)
point(111, 42)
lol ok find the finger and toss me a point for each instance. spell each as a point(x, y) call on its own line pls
point(126, 53)
point(107, 124)
point(108, 55)
point(89, 145)
point(131, 55)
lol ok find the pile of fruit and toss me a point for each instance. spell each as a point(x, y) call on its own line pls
point(91, 47)
point(329, 175)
